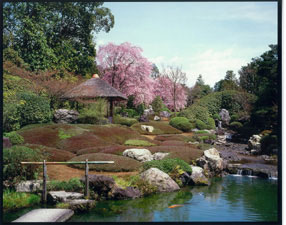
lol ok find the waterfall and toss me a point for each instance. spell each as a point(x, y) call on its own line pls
point(239, 172)
point(270, 176)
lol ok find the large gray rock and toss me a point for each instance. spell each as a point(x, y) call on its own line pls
point(6, 142)
point(46, 215)
point(147, 128)
point(81, 205)
point(165, 114)
point(198, 177)
point(161, 180)
point(148, 111)
point(159, 155)
point(254, 143)
point(29, 186)
point(127, 193)
point(65, 116)
point(225, 118)
point(211, 162)
point(142, 155)
point(62, 196)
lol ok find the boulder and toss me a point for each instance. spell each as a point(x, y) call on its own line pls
point(148, 111)
point(143, 118)
point(254, 143)
point(157, 118)
point(198, 177)
point(142, 155)
point(211, 162)
point(147, 128)
point(6, 143)
point(161, 180)
point(159, 155)
point(65, 116)
point(101, 185)
point(221, 139)
point(62, 196)
point(80, 205)
point(165, 114)
point(29, 186)
point(225, 118)
point(127, 193)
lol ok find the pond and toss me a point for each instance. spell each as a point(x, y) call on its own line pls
point(232, 198)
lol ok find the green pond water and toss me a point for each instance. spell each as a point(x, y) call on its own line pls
point(232, 198)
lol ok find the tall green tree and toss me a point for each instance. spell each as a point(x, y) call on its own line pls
point(199, 90)
point(229, 82)
point(55, 35)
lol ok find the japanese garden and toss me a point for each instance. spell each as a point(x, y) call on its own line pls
point(115, 137)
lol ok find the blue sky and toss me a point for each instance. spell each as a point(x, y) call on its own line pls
point(202, 37)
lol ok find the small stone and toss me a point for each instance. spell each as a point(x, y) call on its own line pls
point(159, 155)
point(157, 118)
point(147, 128)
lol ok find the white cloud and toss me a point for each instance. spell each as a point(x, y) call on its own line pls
point(212, 65)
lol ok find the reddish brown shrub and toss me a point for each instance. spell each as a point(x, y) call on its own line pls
point(170, 137)
point(53, 154)
point(121, 163)
point(183, 152)
point(159, 128)
point(173, 143)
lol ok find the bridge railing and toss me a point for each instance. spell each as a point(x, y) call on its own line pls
point(44, 164)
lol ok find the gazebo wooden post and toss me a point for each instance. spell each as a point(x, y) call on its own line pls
point(111, 110)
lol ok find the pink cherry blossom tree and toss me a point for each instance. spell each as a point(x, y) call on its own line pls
point(124, 67)
point(169, 87)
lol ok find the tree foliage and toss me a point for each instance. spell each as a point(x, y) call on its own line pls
point(124, 67)
point(229, 82)
point(199, 90)
point(55, 35)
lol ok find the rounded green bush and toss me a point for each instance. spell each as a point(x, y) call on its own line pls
point(13, 170)
point(124, 120)
point(216, 116)
point(35, 109)
point(196, 112)
point(14, 138)
point(167, 165)
point(157, 104)
point(210, 123)
point(235, 125)
point(181, 123)
point(201, 125)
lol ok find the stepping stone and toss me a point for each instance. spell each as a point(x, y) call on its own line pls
point(46, 215)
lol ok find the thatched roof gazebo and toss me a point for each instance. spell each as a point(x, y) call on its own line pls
point(95, 88)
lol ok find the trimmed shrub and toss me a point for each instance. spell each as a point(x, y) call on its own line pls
point(201, 125)
point(36, 109)
point(234, 117)
point(268, 143)
point(94, 113)
point(15, 200)
point(181, 123)
point(157, 104)
point(14, 138)
point(13, 171)
point(73, 185)
point(235, 125)
point(186, 153)
point(159, 128)
point(138, 142)
point(124, 121)
point(167, 165)
point(210, 123)
point(121, 163)
point(216, 116)
point(195, 112)
point(130, 112)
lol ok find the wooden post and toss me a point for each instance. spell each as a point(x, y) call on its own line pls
point(86, 191)
point(111, 110)
point(44, 194)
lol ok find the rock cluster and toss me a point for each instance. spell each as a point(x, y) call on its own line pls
point(29, 186)
point(165, 114)
point(65, 116)
point(225, 118)
point(198, 177)
point(143, 155)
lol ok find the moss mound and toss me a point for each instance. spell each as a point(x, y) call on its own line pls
point(161, 127)
point(171, 137)
point(121, 163)
point(136, 142)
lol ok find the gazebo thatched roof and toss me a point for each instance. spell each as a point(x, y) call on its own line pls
point(94, 88)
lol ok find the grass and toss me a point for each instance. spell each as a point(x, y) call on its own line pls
point(73, 185)
point(135, 142)
point(121, 163)
point(171, 137)
point(174, 143)
point(15, 200)
point(201, 132)
point(161, 127)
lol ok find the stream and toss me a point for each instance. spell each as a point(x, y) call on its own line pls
point(231, 198)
